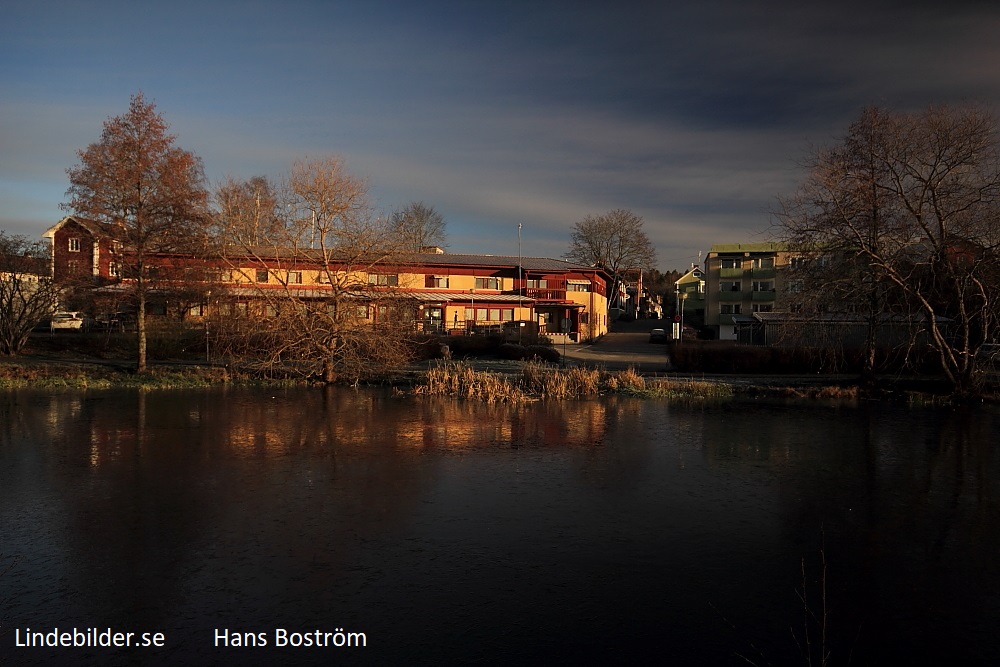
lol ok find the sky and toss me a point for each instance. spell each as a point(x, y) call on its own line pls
point(696, 115)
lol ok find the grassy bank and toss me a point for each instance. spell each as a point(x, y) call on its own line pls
point(70, 375)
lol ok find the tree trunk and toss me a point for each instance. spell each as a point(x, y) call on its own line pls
point(329, 374)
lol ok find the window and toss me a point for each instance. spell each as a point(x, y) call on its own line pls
point(113, 269)
point(538, 284)
point(294, 277)
point(763, 263)
point(436, 282)
point(383, 279)
point(763, 286)
point(577, 287)
point(798, 262)
point(729, 286)
point(488, 283)
point(731, 309)
point(793, 286)
point(479, 315)
point(732, 263)
point(262, 276)
point(74, 244)
point(762, 308)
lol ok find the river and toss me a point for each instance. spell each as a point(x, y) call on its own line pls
point(215, 524)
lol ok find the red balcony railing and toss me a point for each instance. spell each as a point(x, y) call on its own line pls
point(543, 294)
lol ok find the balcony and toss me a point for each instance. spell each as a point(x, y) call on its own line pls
point(762, 274)
point(731, 296)
point(762, 295)
point(730, 273)
point(545, 294)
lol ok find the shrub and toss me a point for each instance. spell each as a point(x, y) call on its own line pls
point(512, 351)
point(543, 353)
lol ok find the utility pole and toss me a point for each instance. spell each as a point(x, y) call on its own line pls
point(520, 283)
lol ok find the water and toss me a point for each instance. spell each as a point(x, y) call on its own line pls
point(615, 531)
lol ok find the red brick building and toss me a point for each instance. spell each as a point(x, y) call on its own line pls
point(82, 251)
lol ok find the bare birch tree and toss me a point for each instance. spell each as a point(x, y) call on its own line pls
point(27, 294)
point(909, 204)
point(312, 297)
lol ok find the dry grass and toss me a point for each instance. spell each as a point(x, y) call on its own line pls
point(548, 382)
point(627, 381)
point(463, 381)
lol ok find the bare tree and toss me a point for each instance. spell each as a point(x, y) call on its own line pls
point(27, 294)
point(904, 212)
point(247, 212)
point(615, 241)
point(316, 302)
point(150, 191)
point(420, 226)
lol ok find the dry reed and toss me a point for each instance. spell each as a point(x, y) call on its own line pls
point(463, 381)
point(538, 380)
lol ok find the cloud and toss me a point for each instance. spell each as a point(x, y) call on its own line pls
point(694, 115)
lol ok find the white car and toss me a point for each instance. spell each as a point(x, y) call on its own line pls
point(70, 320)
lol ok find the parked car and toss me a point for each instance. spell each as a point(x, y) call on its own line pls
point(658, 336)
point(67, 320)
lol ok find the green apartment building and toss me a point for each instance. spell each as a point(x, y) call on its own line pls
point(742, 279)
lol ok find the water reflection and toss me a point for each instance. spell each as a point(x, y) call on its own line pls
point(449, 529)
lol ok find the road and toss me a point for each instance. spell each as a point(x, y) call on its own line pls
point(627, 345)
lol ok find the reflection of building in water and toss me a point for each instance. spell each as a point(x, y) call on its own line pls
point(121, 425)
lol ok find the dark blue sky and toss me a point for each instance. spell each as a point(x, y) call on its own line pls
point(695, 115)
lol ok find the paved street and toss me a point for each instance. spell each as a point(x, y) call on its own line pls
point(626, 346)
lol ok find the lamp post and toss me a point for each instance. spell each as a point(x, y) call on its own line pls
point(680, 338)
point(204, 315)
point(677, 314)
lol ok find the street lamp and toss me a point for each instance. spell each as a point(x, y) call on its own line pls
point(472, 292)
point(677, 314)
point(204, 315)
point(684, 297)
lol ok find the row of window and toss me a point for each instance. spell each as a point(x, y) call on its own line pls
point(438, 282)
point(755, 263)
point(737, 309)
point(769, 263)
point(367, 312)
point(737, 286)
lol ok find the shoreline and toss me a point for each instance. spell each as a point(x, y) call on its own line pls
point(508, 381)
